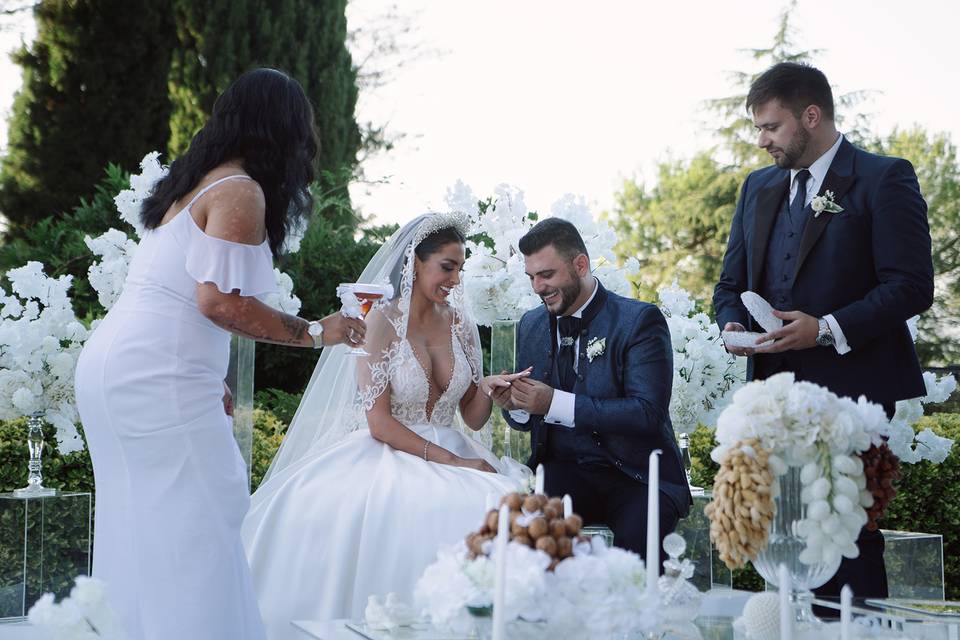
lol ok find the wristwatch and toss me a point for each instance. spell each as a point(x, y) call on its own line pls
point(315, 329)
point(825, 336)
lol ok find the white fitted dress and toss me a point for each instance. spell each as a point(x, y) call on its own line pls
point(171, 486)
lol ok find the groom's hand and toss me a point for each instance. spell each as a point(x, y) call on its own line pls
point(532, 396)
point(800, 333)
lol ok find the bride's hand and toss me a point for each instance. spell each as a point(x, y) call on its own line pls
point(476, 463)
point(490, 384)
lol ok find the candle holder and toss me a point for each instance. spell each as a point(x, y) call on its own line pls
point(35, 488)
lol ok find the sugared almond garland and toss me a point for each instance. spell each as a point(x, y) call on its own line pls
point(742, 506)
point(535, 521)
point(881, 469)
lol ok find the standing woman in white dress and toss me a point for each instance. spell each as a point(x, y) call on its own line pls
point(171, 485)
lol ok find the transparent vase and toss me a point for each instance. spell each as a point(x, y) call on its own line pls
point(683, 441)
point(35, 488)
point(784, 547)
point(503, 357)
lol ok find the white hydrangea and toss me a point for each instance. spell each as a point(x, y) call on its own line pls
point(83, 615)
point(495, 281)
point(599, 593)
point(804, 425)
point(705, 376)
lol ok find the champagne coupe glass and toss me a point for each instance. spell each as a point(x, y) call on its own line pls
point(358, 299)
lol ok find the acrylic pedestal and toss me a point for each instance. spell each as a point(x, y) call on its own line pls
point(44, 545)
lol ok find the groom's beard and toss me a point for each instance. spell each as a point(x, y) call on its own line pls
point(795, 150)
point(568, 295)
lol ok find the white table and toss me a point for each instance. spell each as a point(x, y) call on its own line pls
point(20, 631)
point(719, 603)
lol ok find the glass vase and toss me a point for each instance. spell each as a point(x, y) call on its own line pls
point(683, 441)
point(784, 547)
point(503, 357)
point(35, 488)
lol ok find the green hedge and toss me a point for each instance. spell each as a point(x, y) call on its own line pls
point(928, 499)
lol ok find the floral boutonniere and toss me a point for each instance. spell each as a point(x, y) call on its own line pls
point(596, 347)
point(819, 204)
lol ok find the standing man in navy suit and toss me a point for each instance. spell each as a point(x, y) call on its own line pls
point(843, 281)
point(597, 401)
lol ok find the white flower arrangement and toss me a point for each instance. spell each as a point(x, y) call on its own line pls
point(40, 340)
point(598, 593)
point(83, 615)
point(803, 424)
point(494, 279)
point(704, 374)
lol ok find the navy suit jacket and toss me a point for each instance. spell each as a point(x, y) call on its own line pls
point(622, 396)
point(870, 266)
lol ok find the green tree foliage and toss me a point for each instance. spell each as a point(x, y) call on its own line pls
point(94, 91)
point(935, 158)
point(217, 40)
point(678, 228)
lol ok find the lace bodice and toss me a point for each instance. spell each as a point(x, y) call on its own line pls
point(410, 392)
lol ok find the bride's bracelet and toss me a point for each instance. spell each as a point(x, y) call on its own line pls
point(426, 445)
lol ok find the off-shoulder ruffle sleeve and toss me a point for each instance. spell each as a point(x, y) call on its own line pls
point(231, 266)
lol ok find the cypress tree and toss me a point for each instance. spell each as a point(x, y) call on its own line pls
point(220, 39)
point(94, 92)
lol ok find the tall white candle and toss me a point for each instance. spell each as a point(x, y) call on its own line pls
point(653, 523)
point(846, 612)
point(500, 577)
point(567, 506)
point(786, 611)
point(538, 483)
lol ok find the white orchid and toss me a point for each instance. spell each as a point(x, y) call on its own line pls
point(40, 340)
point(495, 281)
point(705, 376)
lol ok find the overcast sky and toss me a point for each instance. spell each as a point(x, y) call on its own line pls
point(558, 97)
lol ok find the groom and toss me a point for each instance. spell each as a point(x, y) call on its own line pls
point(844, 281)
point(597, 401)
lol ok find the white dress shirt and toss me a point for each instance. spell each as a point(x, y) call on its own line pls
point(563, 405)
point(818, 172)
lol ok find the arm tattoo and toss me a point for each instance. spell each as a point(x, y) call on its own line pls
point(258, 337)
point(296, 327)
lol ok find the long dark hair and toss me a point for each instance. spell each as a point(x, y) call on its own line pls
point(265, 120)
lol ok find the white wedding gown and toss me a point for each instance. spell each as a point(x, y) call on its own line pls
point(360, 518)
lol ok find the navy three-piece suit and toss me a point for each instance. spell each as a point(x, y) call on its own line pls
point(621, 415)
point(869, 266)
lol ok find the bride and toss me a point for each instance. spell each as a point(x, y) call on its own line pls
point(376, 473)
